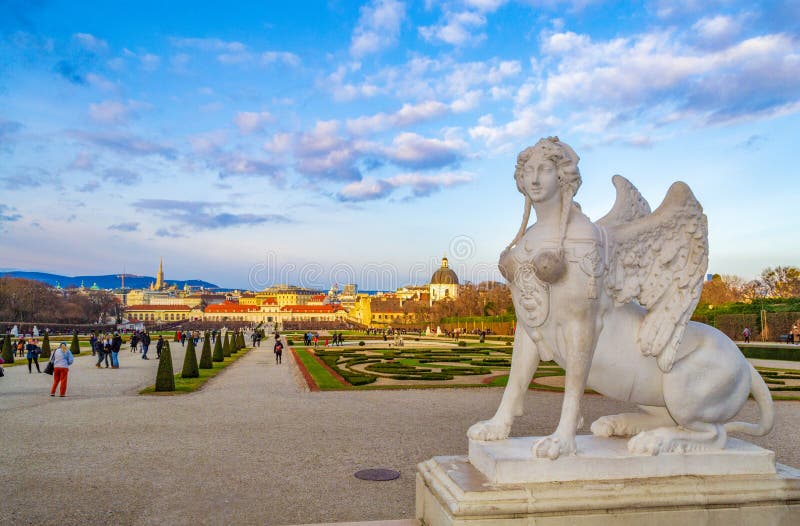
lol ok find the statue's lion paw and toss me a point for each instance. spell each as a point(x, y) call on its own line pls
point(603, 427)
point(489, 430)
point(652, 442)
point(553, 447)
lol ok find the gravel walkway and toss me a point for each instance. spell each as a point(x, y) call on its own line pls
point(251, 447)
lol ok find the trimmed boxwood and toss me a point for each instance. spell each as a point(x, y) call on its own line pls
point(190, 369)
point(205, 355)
point(165, 379)
point(332, 359)
point(46, 346)
point(75, 346)
point(8, 354)
point(218, 356)
point(226, 346)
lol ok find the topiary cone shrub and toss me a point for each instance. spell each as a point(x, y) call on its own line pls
point(45, 346)
point(190, 369)
point(226, 346)
point(165, 379)
point(75, 346)
point(232, 344)
point(205, 356)
point(218, 356)
point(242, 344)
point(8, 356)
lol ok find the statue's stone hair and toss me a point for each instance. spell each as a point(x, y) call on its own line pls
point(562, 155)
point(569, 179)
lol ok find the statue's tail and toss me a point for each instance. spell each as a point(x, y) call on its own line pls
point(763, 398)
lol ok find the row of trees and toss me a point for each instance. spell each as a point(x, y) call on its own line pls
point(25, 300)
point(224, 347)
point(778, 282)
point(489, 298)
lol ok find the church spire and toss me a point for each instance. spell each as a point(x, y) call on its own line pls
point(160, 276)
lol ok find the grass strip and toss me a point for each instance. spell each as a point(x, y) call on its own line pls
point(190, 385)
point(321, 376)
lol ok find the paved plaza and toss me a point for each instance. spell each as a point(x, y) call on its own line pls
point(252, 447)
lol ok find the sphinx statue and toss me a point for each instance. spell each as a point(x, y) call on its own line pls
point(610, 302)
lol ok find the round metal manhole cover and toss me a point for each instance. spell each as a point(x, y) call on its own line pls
point(379, 474)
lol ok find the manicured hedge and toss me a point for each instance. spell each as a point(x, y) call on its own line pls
point(789, 353)
point(165, 379)
point(190, 369)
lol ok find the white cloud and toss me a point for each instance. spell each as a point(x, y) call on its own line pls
point(285, 57)
point(210, 44)
point(209, 142)
point(179, 62)
point(100, 82)
point(149, 61)
point(466, 102)
point(420, 185)
point(717, 31)
point(250, 122)
point(110, 112)
point(279, 144)
point(82, 161)
point(324, 153)
point(342, 90)
point(458, 28)
point(407, 115)
point(416, 151)
point(527, 122)
point(378, 27)
point(625, 87)
point(367, 189)
point(485, 5)
point(121, 176)
point(90, 42)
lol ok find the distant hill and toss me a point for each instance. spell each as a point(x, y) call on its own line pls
point(110, 281)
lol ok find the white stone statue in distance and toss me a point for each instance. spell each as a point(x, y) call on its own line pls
point(610, 302)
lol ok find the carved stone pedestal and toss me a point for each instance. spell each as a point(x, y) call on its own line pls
point(603, 485)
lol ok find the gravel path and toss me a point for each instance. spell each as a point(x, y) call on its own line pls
point(251, 447)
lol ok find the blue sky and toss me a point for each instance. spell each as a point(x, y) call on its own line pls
point(316, 142)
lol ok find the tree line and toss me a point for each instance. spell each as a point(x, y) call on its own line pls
point(25, 300)
point(488, 298)
point(782, 282)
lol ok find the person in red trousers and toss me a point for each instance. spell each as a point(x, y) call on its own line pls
point(62, 358)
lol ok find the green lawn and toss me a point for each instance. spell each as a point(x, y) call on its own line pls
point(189, 385)
point(322, 377)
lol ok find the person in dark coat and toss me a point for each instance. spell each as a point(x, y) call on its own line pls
point(33, 352)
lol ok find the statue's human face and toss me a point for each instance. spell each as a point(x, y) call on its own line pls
point(540, 179)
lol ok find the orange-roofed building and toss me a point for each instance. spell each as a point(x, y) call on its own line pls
point(228, 310)
point(312, 313)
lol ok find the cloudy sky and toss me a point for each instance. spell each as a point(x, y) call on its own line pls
point(316, 142)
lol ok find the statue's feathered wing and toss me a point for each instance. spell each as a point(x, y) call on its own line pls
point(657, 259)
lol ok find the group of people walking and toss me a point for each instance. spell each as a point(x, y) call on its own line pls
point(105, 348)
point(312, 338)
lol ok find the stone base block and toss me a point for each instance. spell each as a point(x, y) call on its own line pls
point(452, 492)
point(511, 461)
